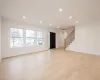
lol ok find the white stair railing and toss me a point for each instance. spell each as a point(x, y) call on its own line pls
point(69, 39)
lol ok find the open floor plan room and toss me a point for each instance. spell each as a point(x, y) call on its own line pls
point(49, 40)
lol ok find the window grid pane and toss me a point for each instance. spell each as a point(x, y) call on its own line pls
point(16, 33)
point(39, 34)
point(30, 34)
point(30, 37)
point(40, 41)
point(30, 41)
point(16, 39)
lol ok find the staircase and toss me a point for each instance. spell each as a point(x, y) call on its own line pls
point(69, 40)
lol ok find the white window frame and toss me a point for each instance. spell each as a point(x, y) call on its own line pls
point(38, 38)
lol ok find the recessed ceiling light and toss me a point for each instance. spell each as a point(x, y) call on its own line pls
point(41, 22)
point(23, 17)
point(58, 27)
point(50, 24)
point(77, 21)
point(60, 9)
point(70, 17)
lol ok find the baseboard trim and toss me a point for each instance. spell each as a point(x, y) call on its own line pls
point(30, 53)
point(24, 54)
point(83, 53)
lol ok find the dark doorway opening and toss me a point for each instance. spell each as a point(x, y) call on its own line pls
point(52, 40)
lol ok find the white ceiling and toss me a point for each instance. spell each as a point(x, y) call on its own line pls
point(84, 11)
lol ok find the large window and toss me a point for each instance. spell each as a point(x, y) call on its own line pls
point(21, 37)
point(30, 37)
point(16, 37)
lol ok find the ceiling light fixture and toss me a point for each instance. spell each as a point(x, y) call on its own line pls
point(50, 24)
point(77, 21)
point(41, 22)
point(70, 17)
point(23, 17)
point(58, 27)
point(60, 10)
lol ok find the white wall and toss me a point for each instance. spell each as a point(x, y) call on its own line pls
point(0, 38)
point(87, 39)
point(8, 52)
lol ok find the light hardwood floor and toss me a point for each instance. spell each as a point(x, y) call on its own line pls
point(51, 65)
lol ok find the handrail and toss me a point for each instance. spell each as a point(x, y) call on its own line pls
point(69, 37)
point(70, 33)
